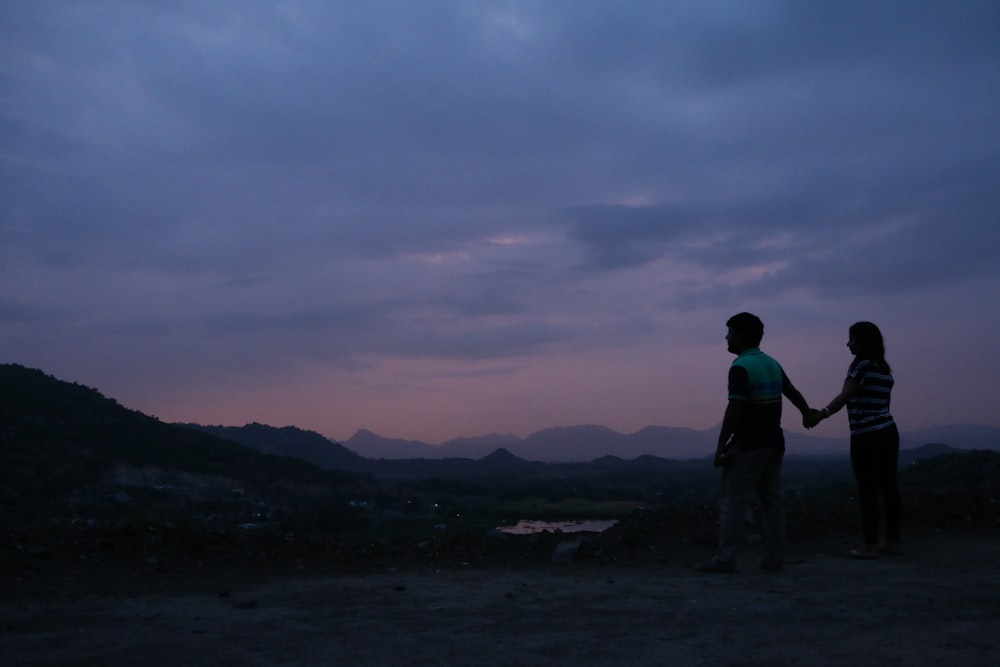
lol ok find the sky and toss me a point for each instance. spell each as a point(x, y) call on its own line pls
point(438, 219)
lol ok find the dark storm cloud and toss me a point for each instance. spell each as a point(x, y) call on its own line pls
point(459, 180)
point(623, 236)
point(351, 117)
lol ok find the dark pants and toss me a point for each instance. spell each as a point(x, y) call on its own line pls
point(874, 457)
point(749, 473)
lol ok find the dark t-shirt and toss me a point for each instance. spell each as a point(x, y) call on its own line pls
point(759, 380)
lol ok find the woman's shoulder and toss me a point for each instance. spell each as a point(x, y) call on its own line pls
point(861, 366)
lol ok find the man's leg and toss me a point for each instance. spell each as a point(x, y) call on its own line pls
point(772, 500)
point(739, 481)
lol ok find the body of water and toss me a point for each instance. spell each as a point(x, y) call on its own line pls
point(529, 527)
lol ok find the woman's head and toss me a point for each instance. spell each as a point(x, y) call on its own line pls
point(865, 340)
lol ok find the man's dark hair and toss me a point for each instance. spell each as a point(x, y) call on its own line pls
point(748, 326)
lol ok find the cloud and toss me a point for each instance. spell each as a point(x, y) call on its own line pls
point(230, 189)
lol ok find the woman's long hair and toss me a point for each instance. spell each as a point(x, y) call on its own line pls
point(872, 345)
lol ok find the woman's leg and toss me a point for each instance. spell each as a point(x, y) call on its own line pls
point(888, 488)
point(865, 464)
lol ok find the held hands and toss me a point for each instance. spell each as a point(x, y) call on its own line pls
point(812, 417)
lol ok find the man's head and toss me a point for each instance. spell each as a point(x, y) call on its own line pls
point(745, 332)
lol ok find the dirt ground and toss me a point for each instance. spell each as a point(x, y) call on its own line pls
point(937, 604)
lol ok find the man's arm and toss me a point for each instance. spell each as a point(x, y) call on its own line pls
point(732, 419)
point(797, 399)
point(739, 389)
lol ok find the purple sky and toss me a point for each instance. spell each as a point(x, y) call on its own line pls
point(436, 219)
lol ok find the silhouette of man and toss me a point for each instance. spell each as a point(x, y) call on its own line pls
point(752, 445)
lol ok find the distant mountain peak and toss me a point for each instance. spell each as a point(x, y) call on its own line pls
point(503, 459)
point(501, 454)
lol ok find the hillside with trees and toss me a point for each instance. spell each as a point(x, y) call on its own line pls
point(64, 444)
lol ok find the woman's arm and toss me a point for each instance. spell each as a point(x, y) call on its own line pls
point(851, 388)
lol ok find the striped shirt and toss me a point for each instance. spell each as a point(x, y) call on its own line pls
point(868, 410)
point(759, 380)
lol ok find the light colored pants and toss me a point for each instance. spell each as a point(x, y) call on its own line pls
point(757, 471)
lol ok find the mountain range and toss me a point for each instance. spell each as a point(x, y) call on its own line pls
point(566, 444)
point(589, 442)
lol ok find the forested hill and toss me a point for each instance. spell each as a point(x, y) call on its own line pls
point(289, 441)
point(59, 437)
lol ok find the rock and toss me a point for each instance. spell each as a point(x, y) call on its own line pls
point(567, 552)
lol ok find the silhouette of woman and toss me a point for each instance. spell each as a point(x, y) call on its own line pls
point(874, 438)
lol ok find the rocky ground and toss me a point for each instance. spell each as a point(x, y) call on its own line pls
point(156, 595)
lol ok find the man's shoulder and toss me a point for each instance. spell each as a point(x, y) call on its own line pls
point(756, 357)
point(747, 356)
